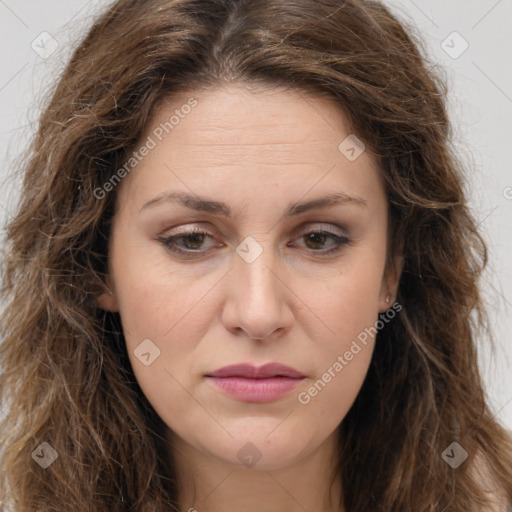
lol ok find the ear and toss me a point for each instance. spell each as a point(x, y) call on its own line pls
point(390, 281)
point(107, 300)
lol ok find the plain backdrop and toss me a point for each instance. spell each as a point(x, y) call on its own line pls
point(470, 39)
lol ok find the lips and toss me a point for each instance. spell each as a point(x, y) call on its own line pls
point(248, 383)
point(248, 371)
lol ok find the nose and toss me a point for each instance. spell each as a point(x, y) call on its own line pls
point(258, 300)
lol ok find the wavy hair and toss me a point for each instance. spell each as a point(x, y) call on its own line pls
point(66, 377)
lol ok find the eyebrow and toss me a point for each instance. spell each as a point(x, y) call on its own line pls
point(195, 202)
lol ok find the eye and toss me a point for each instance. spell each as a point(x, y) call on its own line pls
point(191, 242)
point(318, 238)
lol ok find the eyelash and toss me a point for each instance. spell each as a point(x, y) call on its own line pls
point(170, 240)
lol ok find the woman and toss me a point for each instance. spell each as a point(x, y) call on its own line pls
point(243, 274)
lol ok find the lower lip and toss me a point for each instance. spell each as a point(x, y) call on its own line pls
point(256, 390)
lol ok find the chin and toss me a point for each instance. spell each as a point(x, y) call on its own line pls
point(260, 451)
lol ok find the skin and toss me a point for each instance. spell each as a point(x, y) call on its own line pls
point(256, 150)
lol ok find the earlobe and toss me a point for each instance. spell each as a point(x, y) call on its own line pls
point(390, 284)
point(108, 302)
point(385, 303)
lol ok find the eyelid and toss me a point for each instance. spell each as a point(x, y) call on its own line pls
point(321, 226)
point(305, 226)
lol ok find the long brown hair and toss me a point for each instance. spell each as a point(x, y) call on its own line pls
point(66, 378)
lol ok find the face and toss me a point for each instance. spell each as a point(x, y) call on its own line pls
point(246, 270)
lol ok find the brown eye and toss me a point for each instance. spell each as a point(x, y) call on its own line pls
point(192, 242)
point(186, 242)
point(316, 239)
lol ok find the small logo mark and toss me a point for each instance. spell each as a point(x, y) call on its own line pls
point(249, 250)
point(507, 193)
point(351, 147)
point(146, 352)
point(44, 45)
point(454, 45)
point(248, 455)
point(44, 455)
point(454, 455)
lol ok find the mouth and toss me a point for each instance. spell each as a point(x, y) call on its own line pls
point(248, 383)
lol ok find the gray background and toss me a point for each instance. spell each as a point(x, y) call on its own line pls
point(480, 102)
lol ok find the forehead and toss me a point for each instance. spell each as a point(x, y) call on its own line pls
point(235, 137)
point(257, 117)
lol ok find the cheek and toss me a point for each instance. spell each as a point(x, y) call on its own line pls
point(155, 295)
point(332, 392)
point(343, 343)
point(172, 309)
point(347, 301)
point(343, 355)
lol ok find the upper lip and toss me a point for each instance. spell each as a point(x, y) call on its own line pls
point(263, 372)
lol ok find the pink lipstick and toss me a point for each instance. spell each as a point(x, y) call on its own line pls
point(257, 385)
